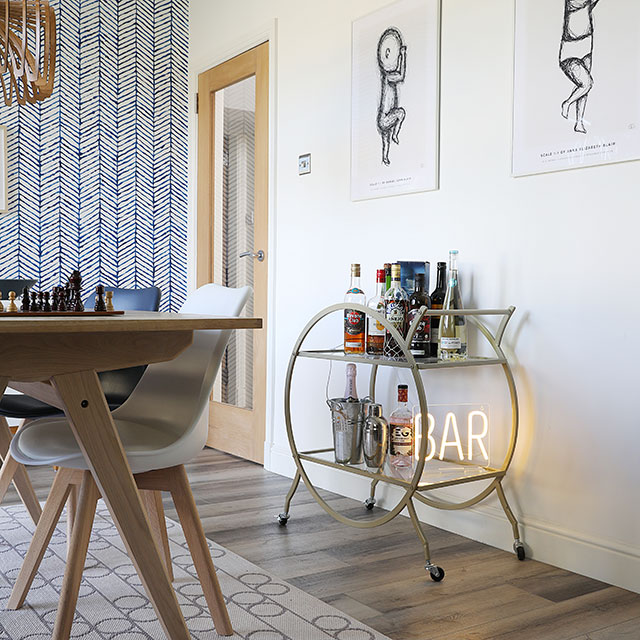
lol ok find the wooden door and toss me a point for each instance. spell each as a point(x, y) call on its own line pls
point(232, 234)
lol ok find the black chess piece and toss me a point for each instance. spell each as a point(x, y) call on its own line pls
point(34, 306)
point(54, 299)
point(46, 307)
point(25, 300)
point(40, 300)
point(100, 303)
point(62, 299)
point(76, 286)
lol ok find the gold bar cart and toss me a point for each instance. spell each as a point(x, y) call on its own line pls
point(419, 482)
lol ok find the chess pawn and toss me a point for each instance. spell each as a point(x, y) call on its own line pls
point(62, 299)
point(100, 305)
point(54, 299)
point(1, 305)
point(76, 286)
point(12, 302)
point(25, 300)
point(109, 296)
point(46, 307)
point(34, 306)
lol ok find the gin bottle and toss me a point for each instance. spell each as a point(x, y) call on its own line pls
point(396, 310)
point(452, 344)
point(401, 431)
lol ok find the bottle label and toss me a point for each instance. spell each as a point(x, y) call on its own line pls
point(450, 343)
point(435, 334)
point(401, 439)
point(395, 313)
point(375, 328)
point(353, 322)
point(423, 330)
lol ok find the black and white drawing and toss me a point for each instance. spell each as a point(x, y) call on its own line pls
point(392, 61)
point(394, 116)
point(576, 57)
point(576, 84)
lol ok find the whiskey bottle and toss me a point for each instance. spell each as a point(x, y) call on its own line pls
point(375, 330)
point(452, 343)
point(401, 431)
point(437, 300)
point(354, 321)
point(421, 341)
point(396, 309)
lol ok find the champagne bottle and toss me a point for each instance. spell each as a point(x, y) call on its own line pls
point(354, 321)
point(437, 300)
point(350, 388)
point(452, 343)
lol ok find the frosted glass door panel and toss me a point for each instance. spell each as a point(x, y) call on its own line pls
point(234, 228)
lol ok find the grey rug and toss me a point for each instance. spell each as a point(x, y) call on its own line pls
point(113, 603)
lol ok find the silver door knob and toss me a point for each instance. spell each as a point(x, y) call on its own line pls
point(259, 255)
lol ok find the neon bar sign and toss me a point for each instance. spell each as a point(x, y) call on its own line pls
point(455, 432)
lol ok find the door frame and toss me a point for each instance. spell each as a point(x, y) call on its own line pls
point(266, 33)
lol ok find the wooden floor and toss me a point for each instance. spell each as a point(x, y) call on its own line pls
point(377, 575)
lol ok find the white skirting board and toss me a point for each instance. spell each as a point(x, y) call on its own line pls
point(596, 558)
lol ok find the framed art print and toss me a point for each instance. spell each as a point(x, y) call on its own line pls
point(576, 84)
point(395, 100)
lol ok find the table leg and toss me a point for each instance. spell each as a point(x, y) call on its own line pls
point(93, 427)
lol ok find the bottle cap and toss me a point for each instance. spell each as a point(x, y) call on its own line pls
point(403, 386)
point(454, 252)
point(395, 271)
point(375, 410)
point(419, 277)
point(355, 270)
point(380, 275)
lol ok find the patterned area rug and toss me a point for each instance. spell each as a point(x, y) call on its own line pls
point(113, 604)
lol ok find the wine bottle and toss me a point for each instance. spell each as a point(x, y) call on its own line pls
point(421, 341)
point(396, 309)
point(354, 321)
point(437, 300)
point(375, 330)
point(452, 343)
point(350, 388)
point(401, 431)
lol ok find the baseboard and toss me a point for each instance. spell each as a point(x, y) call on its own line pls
point(598, 558)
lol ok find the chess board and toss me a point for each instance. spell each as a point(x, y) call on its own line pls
point(56, 314)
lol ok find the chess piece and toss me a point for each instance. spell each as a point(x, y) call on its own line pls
point(62, 299)
point(46, 307)
point(76, 286)
point(34, 301)
point(40, 300)
point(100, 305)
point(1, 305)
point(54, 299)
point(25, 300)
point(12, 302)
point(109, 296)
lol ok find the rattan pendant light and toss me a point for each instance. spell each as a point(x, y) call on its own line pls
point(27, 50)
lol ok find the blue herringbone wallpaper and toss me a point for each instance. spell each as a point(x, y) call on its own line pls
point(98, 172)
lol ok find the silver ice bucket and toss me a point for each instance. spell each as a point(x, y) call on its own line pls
point(347, 416)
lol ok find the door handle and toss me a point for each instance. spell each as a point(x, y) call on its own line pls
point(259, 255)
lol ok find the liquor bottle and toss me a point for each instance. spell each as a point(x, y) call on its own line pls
point(376, 331)
point(437, 300)
point(396, 310)
point(452, 343)
point(421, 341)
point(401, 431)
point(354, 321)
point(387, 275)
point(350, 388)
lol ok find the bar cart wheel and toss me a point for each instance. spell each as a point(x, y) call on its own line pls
point(518, 547)
point(436, 573)
point(283, 518)
point(369, 503)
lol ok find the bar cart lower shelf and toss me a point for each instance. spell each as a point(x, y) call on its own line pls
point(424, 476)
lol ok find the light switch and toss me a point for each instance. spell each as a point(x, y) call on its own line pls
point(304, 164)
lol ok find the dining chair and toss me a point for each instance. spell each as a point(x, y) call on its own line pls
point(161, 429)
point(117, 386)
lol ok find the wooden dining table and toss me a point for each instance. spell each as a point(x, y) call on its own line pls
point(56, 360)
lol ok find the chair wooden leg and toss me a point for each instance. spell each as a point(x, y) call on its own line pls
point(152, 501)
point(46, 525)
point(194, 533)
point(85, 514)
point(20, 478)
point(72, 507)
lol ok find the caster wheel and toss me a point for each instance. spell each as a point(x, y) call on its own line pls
point(436, 573)
point(283, 519)
point(369, 503)
point(519, 548)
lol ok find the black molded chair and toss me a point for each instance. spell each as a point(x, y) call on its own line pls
point(117, 386)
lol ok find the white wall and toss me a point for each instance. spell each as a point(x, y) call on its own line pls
point(560, 247)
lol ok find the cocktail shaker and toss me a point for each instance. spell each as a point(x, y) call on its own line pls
point(375, 437)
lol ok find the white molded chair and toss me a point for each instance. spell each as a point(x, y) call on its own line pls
point(161, 429)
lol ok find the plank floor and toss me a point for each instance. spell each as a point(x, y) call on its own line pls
point(377, 576)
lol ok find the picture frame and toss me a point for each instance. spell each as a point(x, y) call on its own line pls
point(395, 100)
